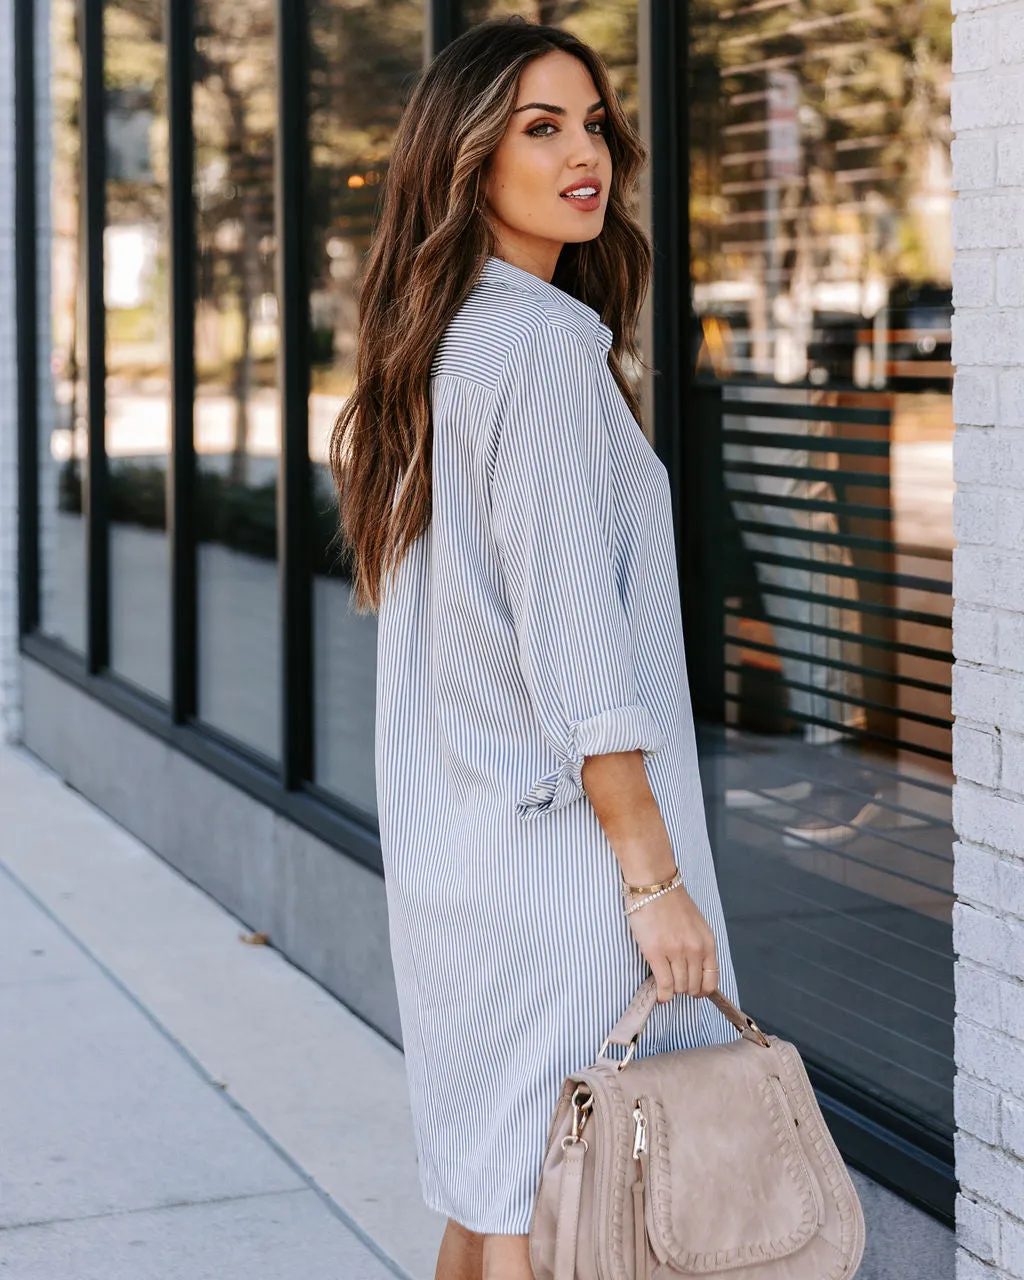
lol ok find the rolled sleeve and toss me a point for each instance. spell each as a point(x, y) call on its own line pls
point(553, 522)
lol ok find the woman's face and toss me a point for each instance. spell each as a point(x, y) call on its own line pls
point(554, 140)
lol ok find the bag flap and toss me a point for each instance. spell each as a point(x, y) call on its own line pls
point(728, 1183)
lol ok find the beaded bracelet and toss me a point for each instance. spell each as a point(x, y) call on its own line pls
point(676, 881)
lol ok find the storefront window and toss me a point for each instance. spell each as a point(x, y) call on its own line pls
point(136, 296)
point(363, 67)
point(822, 419)
point(237, 409)
point(63, 407)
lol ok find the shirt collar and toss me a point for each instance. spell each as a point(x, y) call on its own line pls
point(520, 278)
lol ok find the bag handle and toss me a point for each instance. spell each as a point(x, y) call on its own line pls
point(628, 1028)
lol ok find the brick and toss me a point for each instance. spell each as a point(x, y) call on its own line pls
point(1009, 531)
point(977, 989)
point(975, 693)
point(975, 634)
point(1011, 1129)
point(1012, 763)
point(1010, 158)
point(975, 516)
point(973, 280)
point(989, 1173)
point(990, 880)
point(1011, 1246)
point(988, 222)
point(980, 817)
point(974, 43)
point(977, 1108)
point(977, 1228)
point(982, 576)
point(1010, 38)
point(990, 337)
point(1011, 398)
point(1011, 1008)
point(975, 163)
point(968, 1267)
point(1010, 279)
point(975, 397)
point(989, 940)
point(1010, 641)
point(975, 455)
point(976, 754)
point(990, 100)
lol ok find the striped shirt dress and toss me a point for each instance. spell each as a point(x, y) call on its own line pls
point(535, 622)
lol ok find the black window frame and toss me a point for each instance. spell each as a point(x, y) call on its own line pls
point(889, 1146)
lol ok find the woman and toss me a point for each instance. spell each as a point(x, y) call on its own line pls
point(512, 527)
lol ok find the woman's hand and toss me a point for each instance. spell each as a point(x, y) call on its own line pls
point(677, 943)
point(676, 940)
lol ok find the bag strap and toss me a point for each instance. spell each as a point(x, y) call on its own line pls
point(567, 1229)
point(628, 1028)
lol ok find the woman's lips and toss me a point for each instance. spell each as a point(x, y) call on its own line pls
point(586, 204)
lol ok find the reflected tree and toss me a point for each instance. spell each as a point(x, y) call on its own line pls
point(234, 115)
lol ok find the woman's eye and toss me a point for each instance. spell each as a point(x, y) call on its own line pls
point(546, 124)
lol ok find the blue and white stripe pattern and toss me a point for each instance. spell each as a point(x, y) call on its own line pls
point(535, 622)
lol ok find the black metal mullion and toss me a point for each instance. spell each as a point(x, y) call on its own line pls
point(686, 430)
point(294, 491)
point(442, 22)
point(181, 465)
point(25, 262)
point(94, 191)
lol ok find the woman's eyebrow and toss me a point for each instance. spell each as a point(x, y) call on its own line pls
point(557, 111)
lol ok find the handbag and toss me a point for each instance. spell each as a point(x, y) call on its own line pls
point(696, 1162)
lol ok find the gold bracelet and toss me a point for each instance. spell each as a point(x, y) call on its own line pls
point(675, 883)
point(635, 889)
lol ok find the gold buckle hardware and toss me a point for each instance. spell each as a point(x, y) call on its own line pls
point(629, 1052)
point(763, 1039)
point(582, 1105)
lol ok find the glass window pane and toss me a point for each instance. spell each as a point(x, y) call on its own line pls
point(63, 401)
point(820, 215)
point(136, 295)
point(237, 414)
point(608, 25)
point(364, 61)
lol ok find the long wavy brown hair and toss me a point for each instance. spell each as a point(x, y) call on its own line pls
point(430, 245)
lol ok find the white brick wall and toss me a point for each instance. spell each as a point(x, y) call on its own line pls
point(988, 634)
point(10, 707)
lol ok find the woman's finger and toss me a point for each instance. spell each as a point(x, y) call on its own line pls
point(663, 976)
point(680, 974)
point(693, 974)
point(709, 975)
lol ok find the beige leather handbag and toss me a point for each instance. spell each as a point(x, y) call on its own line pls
point(692, 1163)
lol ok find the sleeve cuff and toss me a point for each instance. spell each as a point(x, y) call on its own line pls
point(617, 729)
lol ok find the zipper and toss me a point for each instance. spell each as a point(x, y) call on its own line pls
point(640, 1129)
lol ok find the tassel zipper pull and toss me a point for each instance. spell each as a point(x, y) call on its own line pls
point(642, 1269)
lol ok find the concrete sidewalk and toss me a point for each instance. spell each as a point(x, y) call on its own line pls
point(174, 1102)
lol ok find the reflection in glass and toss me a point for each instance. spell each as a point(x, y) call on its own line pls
point(237, 418)
point(63, 407)
point(363, 67)
point(608, 25)
point(820, 213)
point(138, 343)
